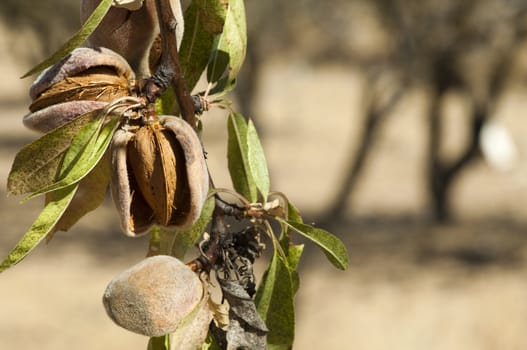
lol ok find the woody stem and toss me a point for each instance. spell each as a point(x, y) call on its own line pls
point(169, 71)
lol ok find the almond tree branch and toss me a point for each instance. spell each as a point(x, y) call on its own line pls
point(169, 70)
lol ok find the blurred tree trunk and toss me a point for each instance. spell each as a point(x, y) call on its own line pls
point(441, 174)
point(376, 114)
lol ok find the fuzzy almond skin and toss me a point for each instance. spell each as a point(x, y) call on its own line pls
point(153, 297)
point(79, 60)
point(130, 33)
point(47, 116)
point(196, 169)
point(59, 114)
point(135, 215)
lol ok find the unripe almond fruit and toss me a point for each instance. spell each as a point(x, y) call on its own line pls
point(154, 296)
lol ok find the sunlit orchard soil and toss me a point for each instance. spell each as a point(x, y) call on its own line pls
point(411, 285)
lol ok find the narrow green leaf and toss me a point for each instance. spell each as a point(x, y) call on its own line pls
point(293, 214)
point(223, 87)
point(213, 13)
point(275, 304)
point(331, 245)
point(88, 158)
point(85, 136)
point(182, 241)
point(89, 196)
point(294, 252)
point(257, 162)
point(37, 165)
point(76, 40)
point(166, 104)
point(197, 43)
point(237, 157)
point(219, 63)
point(232, 43)
point(159, 343)
point(40, 228)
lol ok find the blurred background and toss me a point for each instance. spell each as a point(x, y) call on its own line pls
point(396, 124)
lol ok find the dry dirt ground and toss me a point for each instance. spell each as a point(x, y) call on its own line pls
point(411, 285)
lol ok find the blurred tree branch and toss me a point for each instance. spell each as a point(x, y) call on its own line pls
point(444, 46)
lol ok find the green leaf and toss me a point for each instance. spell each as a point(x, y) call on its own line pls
point(293, 214)
point(237, 157)
point(218, 65)
point(232, 43)
point(159, 343)
point(166, 104)
point(87, 28)
point(197, 42)
point(37, 165)
point(213, 14)
point(275, 304)
point(40, 228)
point(87, 157)
point(294, 252)
point(285, 238)
point(257, 162)
point(331, 245)
point(182, 241)
point(89, 196)
point(85, 136)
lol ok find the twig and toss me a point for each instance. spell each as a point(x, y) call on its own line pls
point(218, 233)
point(169, 70)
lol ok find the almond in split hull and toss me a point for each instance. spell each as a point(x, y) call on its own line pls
point(159, 175)
point(87, 79)
point(96, 84)
point(157, 164)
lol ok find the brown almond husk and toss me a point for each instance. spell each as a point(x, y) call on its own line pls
point(96, 84)
point(135, 214)
point(195, 171)
point(159, 175)
point(79, 61)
